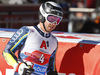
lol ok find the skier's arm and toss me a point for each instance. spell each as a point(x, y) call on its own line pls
point(15, 43)
point(52, 67)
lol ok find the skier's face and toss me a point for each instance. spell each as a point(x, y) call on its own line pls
point(49, 26)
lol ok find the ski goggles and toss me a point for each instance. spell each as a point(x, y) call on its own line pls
point(54, 19)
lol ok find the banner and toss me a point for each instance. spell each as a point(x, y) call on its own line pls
point(77, 54)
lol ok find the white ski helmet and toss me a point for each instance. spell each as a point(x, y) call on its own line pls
point(50, 9)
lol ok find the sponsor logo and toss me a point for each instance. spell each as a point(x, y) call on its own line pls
point(39, 69)
point(7, 72)
point(72, 74)
point(16, 35)
point(37, 57)
point(66, 74)
point(0, 73)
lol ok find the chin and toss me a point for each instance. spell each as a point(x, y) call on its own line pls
point(49, 30)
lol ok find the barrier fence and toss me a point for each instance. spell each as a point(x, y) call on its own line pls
point(77, 54)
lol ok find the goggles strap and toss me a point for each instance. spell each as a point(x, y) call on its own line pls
point(44, 27)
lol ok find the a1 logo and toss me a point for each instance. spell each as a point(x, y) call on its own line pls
point(44, 44)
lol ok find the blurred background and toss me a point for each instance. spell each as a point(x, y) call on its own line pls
point(80, 16)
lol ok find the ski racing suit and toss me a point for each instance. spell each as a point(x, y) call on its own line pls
point(34, 46)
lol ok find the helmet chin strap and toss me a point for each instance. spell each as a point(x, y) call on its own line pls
point(44, 27)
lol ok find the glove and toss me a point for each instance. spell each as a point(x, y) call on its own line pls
point(24, 69)
point(28, 71)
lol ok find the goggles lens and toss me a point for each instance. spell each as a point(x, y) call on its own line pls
point(53, 19)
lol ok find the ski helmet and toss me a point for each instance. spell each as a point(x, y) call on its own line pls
point(50, 10)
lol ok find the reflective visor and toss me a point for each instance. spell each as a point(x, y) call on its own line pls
point(53, 19)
